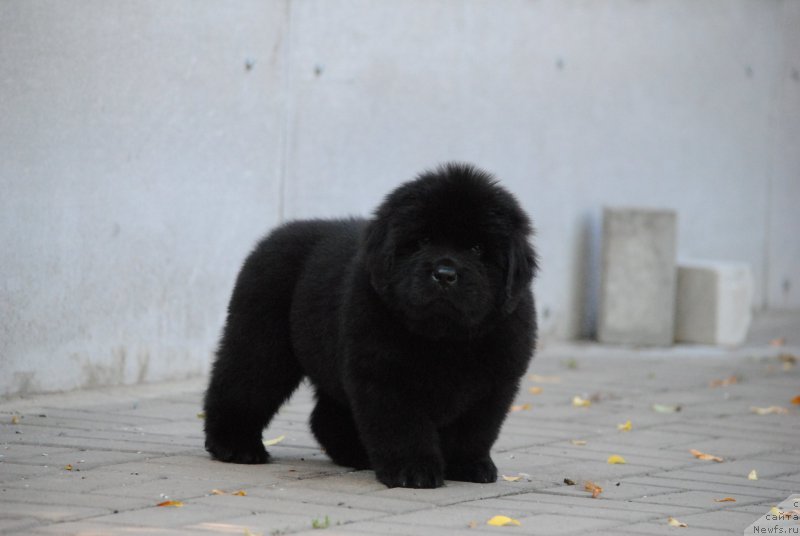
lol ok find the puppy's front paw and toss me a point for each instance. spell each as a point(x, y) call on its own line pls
point(481, 471)
point(237, 451)
point(418, 474)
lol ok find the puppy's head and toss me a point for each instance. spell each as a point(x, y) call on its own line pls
point(448, 250)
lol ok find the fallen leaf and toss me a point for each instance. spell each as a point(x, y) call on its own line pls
point(616, 459)
point(594, 488)
point(625, 427)
point(201, 415)
point(535, 390)
point(240, 493)
point(675, 523)
point(544, 379)
point(578, 442)
point(511, 478)
point(472, 525)
point(579, 402)
point(787, 359)
point(247, 532)
point(68, 467)
point(502, 521)
point(774, 511)
point(753, 475)
point(726, 499)
point(777, 410)
point(176, 504)
point(270, 442)
point(569, 482)
point(15, 419)
point(520, 407)
point(730, 380)
point(664, 408)
point(217, 492)
point(703, 456)
point(796, 400)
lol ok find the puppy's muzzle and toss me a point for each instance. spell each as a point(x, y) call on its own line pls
point(445, 273)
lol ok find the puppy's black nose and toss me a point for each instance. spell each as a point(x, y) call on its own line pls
point(445, 275)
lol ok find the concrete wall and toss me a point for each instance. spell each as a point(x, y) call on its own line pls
point(145, 145)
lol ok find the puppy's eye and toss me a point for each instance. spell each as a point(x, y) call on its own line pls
point(476, 250)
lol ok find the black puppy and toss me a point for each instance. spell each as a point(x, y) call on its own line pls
point(414, 328)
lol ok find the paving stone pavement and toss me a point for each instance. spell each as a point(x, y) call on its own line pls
point(99, 462)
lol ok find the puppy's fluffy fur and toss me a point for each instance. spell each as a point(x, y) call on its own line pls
point(414, 328)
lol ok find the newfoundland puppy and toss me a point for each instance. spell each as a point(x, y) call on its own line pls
point(414, 328)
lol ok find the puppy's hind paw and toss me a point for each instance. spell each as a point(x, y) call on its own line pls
point(481, 471)
point(246, 452)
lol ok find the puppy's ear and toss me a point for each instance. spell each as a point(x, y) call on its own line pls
point(378, 253)
point(522, 266)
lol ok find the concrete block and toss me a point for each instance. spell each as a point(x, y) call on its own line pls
point(713, 303)
point(637, 289)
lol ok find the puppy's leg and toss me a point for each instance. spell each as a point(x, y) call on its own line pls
point(335, 430)
point(400, 439)
point(467, 441)
point(254, 374)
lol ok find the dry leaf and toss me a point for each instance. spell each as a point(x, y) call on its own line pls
point(703, 456)
point(780, 341)
point(535, 390)
point(625, 427)
point(240, 493)
point(753, 475)
point(569, 482)
point(270, 442)
point(664, 408)
point(796, 400)
point(511, 478)
point(579, 402)
point(730, 380)
point(176, 504)
point(472, 525)
point(777, 410)
point(726, 499)
point(616, 459)
point(68, 467)
point(787, 359)
point(15, 419)
point(217, 492)
point(544, 379)
point(594, 488)
point(502, 521)
point(675, 523)
point(578, 442)
point(520, 407)
point(774, 511)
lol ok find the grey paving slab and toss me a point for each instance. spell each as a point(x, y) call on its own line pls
point(131, 448)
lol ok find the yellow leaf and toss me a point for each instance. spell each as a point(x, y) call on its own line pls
point(675, 523)
point(15, 419)
point(726, 499)
point(176, 504)
point(68, 467)
point(703, 456)
point(730, 380)
point(520, 407)
point(796, 400)
point(579, 402)
point(578, 442)
point(624, 427)
point(544, 379)
point(270, 442)
point(774, 511)
point(594, 488)
point(770, 410)
point(217, 492)
point(538, 391)
point(502, 521)
point(511, 478)
point(240, 493)
point(753, 475)
point(615, 459)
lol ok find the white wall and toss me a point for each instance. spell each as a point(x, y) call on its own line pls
point(144, 147)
